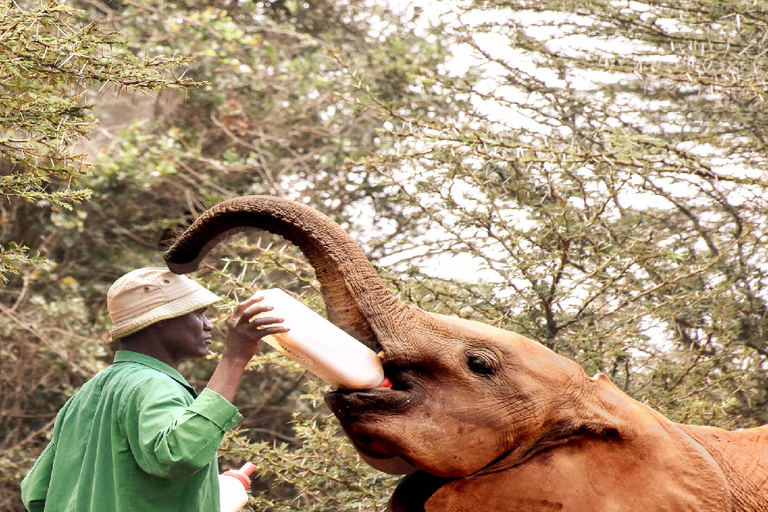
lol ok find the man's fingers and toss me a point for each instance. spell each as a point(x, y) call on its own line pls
point(243, 306)
point(251, 314)
point(273, 329)
point(246, 324)
point(262, 321)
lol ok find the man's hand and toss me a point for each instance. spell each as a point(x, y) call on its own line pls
point(245, 328)
point(244, 331)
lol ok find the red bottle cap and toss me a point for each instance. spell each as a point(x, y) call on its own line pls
point(243, 474)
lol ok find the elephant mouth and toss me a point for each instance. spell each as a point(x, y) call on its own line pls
point(357, 404)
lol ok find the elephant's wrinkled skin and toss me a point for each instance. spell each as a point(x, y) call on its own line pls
point(482, 419)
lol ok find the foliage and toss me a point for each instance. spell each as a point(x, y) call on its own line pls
point(48, 58)
point(608, 184)
point(590, 174)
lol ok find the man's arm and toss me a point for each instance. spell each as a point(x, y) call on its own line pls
point(168, 436)
point(34, 487)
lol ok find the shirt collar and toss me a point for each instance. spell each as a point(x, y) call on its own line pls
point(129, 356)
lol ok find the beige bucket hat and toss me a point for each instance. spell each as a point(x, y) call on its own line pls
point(147, 295)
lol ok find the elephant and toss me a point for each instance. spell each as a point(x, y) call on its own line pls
point(482, 419)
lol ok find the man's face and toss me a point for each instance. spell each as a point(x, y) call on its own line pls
point(187, 336)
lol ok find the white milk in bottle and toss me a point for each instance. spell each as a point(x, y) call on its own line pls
point(321, 347)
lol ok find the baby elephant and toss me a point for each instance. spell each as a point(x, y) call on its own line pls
point(482, 419)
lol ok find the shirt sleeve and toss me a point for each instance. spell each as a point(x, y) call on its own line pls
point(34, 486)
point(170, 438)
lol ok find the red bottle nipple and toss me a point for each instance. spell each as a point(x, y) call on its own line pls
point(243, 474)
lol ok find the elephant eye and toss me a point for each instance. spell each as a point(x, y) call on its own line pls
point(481, 363)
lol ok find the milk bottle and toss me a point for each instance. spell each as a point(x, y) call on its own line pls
point(321, 347)
point(233, 485)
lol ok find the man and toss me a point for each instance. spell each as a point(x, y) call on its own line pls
point(137, 437)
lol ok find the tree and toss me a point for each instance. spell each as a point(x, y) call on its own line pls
point(596, 165)
point(609, 181)
point(50, 59)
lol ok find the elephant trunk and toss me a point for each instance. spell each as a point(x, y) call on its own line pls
point(354, 294)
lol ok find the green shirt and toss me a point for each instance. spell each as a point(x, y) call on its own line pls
point(136, 437)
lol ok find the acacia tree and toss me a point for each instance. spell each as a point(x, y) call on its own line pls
point(50, 58)
point(609, 180)
point(598, 165)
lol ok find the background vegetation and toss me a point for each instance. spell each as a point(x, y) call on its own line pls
point(591, 174)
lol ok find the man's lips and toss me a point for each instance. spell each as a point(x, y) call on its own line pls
point(386, 383)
